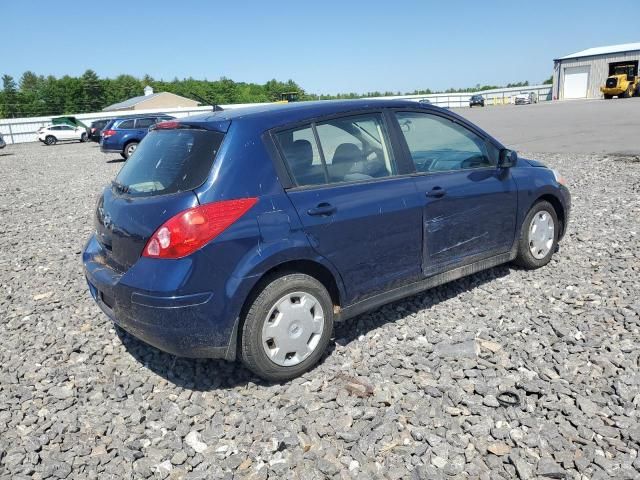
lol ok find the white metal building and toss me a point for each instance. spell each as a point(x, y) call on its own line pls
point(581, 74)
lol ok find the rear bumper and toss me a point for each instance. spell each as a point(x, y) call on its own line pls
point(183, 324)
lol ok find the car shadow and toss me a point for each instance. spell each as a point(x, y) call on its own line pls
point(6, 154)
point(116, 160)
point(212, 374)
point(350, 330)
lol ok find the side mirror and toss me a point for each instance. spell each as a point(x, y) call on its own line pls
point(508, 158)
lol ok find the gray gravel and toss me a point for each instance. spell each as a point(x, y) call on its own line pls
point(410, 391)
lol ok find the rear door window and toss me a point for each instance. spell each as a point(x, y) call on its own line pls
point(351, 149)
point(169, 161)
point(127, 124)
point(302, 156)
point(144, 122)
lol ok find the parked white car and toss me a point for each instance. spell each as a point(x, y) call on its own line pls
point(526, 98)
point(52, 134)
point(2, 142)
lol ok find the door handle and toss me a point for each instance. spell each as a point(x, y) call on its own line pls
point(436, 192)
point(323, 209)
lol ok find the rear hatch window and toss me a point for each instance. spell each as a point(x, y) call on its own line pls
point(169, 161)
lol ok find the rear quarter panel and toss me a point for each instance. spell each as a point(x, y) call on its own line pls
point(269, 235)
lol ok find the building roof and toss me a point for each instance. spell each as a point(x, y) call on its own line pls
point(130, 103)
point(590, 52)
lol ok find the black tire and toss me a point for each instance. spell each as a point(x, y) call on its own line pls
point(608, 97)
point(50, 140)
point(84, 137)
point(524, 257)
point(122, 155)
point(252, 352)
point(128, 149)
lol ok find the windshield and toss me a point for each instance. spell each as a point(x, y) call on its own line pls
point(169, 161)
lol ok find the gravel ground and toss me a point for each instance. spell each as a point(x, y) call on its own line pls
point(409, 391)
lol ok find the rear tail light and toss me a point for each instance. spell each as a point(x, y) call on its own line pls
point(191, 229)
point(167, 125)
point(93, 130)
point(108, 133)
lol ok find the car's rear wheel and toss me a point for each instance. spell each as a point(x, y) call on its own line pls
point(84, 137)
point(50, 140)
point(129, 148)
point(538, 236)
point(608, 97)
point(287, 327)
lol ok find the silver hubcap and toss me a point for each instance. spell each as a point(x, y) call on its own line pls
point(541, 234)
point(131, 149)
point(293, 328)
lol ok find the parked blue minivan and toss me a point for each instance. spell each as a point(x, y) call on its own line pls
point(122, 135)
point(244, 234)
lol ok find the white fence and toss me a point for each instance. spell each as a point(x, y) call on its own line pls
point(19, 130)
point(498, 96)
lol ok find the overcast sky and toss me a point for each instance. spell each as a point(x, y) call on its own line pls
point(326, 46)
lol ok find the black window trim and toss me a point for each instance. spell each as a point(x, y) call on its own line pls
point(402, 142)
point(281, 165)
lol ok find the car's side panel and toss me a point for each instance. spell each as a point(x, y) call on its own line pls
point(373, 238)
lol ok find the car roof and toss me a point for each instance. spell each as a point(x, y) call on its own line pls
point(270, 115)
point(142, 115)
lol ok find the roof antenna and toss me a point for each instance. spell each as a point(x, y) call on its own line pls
point(215, 107)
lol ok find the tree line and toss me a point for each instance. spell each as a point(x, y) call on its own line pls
point(36, 95)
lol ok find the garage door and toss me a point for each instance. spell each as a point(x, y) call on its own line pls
point(576, 80)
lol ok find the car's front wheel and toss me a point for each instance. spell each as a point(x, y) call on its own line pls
point(538, 236)
point(84, 137)
point(287, 327)
point(50, 140)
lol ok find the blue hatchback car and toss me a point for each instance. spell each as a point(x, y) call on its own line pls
point(246, 233)
point(122, 135)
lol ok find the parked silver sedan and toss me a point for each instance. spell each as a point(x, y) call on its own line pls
point(526, 98)
point(2, 142)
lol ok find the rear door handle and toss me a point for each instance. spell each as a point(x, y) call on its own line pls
point(322, 209)
point(436, 192)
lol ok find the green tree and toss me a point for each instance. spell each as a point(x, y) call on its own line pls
point(53, 96)
point(548, 81)
point(29, 97)
point(9, 97)
point(92, 92)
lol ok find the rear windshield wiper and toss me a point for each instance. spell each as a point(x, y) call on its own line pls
point(120, 188)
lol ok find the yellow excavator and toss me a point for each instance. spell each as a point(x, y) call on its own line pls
point(623, 82)
point(288, 97)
